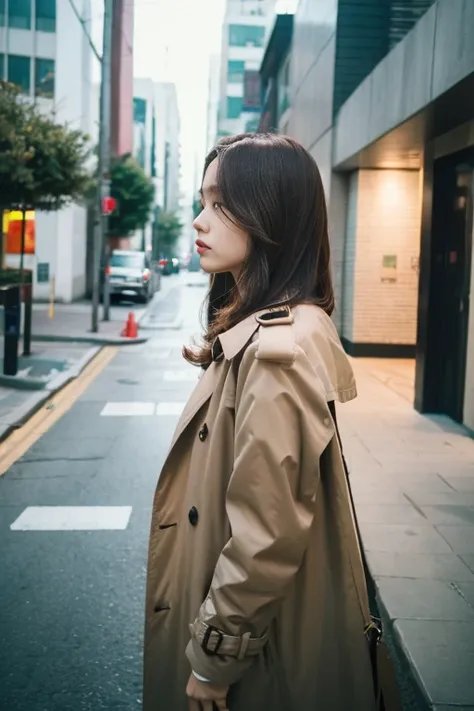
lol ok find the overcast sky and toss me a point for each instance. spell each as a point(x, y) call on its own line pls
point(173, 42)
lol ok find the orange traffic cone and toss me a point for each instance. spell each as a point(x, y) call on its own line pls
point(130, 329)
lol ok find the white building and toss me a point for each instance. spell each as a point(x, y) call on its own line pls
point(44, 50)
point(156, 142)
point(167, 137)
point(213, 100)
point(247, 24)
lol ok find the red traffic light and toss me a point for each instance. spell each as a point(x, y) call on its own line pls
point(108, 205)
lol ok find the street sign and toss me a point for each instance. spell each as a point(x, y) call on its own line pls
point(42, 272)
point(108, 205)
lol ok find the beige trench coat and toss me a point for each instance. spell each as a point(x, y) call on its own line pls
point(252, 530)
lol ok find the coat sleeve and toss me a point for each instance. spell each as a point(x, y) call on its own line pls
point(282, 428)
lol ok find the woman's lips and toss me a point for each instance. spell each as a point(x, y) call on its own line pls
point(201, 246)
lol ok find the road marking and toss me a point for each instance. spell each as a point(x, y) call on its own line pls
point(170, 408)
point(128, 409)
point(174, 376)
point(73, 518)
point(20, 441)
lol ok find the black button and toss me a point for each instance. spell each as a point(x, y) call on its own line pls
point(203, 432)
point(193, 516)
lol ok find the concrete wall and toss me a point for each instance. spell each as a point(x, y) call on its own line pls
point(422, 67)
point(312, 80)
point(376, 310)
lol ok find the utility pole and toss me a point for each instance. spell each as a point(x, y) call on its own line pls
point(103, 182)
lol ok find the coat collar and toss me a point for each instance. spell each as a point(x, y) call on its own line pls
point(233, 340)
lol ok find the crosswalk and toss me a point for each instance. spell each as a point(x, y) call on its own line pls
point(177, 383)
point(73, 518)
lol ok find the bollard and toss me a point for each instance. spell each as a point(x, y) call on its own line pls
point(12, 329)
point(28, 301)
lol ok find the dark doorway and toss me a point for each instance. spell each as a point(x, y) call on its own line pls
point(450, 283)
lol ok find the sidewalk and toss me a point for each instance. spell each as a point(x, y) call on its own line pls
point(72, 322)
point(413, 484)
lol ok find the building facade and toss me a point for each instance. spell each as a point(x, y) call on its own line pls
point(379, 95)
point(245, 31)
point(167, 138)
point(212, 100)
point(121, 96)
point(44, 50)
point(156, 145)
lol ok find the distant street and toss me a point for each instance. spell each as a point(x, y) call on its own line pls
point(72, 598)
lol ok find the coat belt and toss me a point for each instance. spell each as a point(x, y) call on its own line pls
point(214, 641)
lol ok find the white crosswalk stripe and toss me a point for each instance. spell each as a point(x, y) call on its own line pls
point(73, 518)
point(170, 408)
point(128, 409)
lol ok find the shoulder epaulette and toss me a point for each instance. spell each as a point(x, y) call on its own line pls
point(276, 338)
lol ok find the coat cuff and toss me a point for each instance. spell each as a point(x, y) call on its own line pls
point(222, 671)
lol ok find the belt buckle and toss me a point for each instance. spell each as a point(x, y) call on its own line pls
point(207, 634)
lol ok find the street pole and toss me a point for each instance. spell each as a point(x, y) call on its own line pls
point(103, 183)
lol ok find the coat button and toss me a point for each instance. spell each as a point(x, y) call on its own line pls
point(203, 432)
point(193, 516)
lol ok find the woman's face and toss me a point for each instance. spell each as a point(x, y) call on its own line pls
point(221, 244)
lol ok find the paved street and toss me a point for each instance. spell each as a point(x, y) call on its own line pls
point(72, 600)
point(75, 510)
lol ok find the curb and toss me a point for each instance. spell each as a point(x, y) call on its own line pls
point(113, 341)
point(23, 412)
point(409, 684)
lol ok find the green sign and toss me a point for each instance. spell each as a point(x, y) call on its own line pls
point(42, 272)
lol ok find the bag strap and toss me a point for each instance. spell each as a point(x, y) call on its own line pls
point(368, 578)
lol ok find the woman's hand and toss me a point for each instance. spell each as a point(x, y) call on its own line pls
point(204, 696)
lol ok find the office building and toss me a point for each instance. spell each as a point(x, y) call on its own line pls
point(44, 49)
point(379, 96)
point(246, 27)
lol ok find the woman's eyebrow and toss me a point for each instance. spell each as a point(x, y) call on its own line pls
point(211, 190)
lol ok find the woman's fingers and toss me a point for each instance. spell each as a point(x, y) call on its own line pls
point(193, 704)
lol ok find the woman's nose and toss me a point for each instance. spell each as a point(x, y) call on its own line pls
point(199, 223)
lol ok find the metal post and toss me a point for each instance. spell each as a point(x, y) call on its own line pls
point(12, 329)
point(28, 301)
point(103, 182)
point(106, 98)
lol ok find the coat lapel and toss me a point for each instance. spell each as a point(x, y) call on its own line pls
point(201, 394)
point(232, 342)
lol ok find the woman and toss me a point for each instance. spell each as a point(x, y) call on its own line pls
point(256, 596)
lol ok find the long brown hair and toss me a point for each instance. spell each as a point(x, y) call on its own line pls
point(271, 187)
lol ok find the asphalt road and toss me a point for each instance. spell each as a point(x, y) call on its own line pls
point(72, 601)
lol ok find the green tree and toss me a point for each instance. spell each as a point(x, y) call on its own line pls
point(43, 165)
point(169, 230)
point(134, 193)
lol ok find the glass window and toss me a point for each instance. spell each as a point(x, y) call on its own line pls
point(2, 12)
point(128, 260)
point(2, 65)
point(46, 15)
point(246, 35)
point(234, 106)
point(44, 78)
point(19, 14)
point(19, 71)
point(235, 72)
